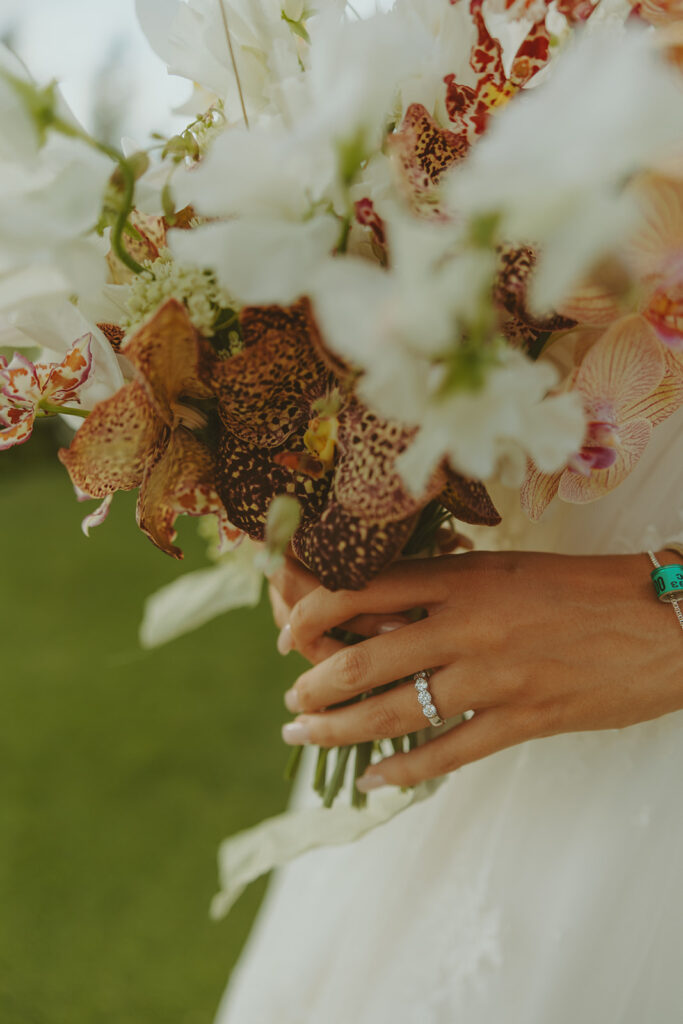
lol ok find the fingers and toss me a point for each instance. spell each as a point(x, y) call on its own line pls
point(364, 666)
point(293, 582)
point(387, 715)
point(281, 609)
point(400, 587)
point(375, 625)
point(487, 732)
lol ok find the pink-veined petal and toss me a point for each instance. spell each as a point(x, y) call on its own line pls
point(97, 516)
point(538, 490)
point(577, 489)
point(665, 315)
point(592, 306)
point(623, 367)
point(655, 250)
point(667, 396)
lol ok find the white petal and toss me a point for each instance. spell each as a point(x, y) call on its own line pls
point(276, 841)
point(197, 597)
point(260, 261)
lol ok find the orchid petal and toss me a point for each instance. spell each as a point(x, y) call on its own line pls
point(266, 391)
point(18, 432)
point(117, 443)
point(367, 483)
point(656, 247)
point(625, 366)
point(20, 382)
point(345, 551)
point(249, 477)
point(666, 398)
point(197, 597)
point(538, 490)
point(634, 437)
point(66, 378)
point(181, 482)
point(592, 305)
point(469, 501)
point(98, 516)
point(171, 357)
point(423, 151)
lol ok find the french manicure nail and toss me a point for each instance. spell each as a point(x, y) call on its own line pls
point(389, 627)
point(296, 733)
point(285, 642)
point(368, 782)
point(292, 701)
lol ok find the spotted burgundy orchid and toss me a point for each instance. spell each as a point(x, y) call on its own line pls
point(469, 108)
point(290, 426)
point(518, 324)
point(143, 435)
point(423, 149)
point(627, 389)
point(29, 390)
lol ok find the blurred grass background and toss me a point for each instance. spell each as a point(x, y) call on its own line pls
point(120, 770)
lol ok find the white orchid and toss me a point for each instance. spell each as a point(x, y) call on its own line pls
point(494, 429)
point(192, 39)
point(48, 210)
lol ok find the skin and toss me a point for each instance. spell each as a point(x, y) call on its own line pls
point(535, 644)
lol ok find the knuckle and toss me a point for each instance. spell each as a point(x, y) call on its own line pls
point(542, 720)
point(304, 695)
point(352, 667)
point(323, 732)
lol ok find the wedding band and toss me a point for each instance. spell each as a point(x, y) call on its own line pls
point(426, 700)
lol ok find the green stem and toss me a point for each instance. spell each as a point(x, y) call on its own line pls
point(293, 764)
point(337, 780)
point(343, 242)
point(397, 744)
point(65, 410)
point(128, 175)
point(363, 758)
point(320, 777)
point(413, 740)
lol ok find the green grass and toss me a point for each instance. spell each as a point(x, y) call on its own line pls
point(120, 770)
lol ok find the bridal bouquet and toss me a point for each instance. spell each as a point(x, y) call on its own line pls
point(392, 258)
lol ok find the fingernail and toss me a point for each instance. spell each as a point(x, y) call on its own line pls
point(285, 641)
point(368, 782)
point(296, 733)
point(389, 627)
point(292, 701)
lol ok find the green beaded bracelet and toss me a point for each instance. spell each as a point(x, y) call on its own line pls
point(668, 582)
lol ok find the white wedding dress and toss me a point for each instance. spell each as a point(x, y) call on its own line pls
point(542, 885)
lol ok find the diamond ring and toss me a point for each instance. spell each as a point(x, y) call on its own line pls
point(425, 698)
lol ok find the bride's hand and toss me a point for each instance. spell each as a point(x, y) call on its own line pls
point(288, 585)
point(534, 644)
